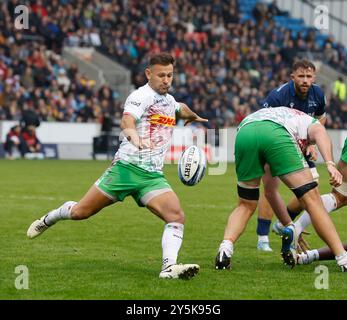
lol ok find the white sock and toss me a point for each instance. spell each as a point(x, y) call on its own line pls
point(171, 243)
point(62, 213)
point(342, 259)
point(329, 202)
point(263, 238)
point(313, 255)
point(227, 246)
point(280, 225)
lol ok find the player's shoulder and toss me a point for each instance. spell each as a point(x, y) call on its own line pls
point(280, 90)
point(283, 87)
point(142, 91)
point(276, 96)
point(317, 90)
point(140, 95)
point(170, 97)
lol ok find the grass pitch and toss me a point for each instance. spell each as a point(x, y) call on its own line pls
point(116, 254)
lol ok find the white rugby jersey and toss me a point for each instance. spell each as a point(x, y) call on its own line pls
point(294, 121)
point(156, 118)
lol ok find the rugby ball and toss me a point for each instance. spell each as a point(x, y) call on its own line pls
point(191, 166)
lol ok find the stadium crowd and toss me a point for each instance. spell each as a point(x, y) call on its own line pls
point(225, 65)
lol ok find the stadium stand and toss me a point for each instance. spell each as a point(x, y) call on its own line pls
point(229, 55)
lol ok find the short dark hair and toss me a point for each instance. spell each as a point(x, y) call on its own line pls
point(163, 59)
point(303, 63)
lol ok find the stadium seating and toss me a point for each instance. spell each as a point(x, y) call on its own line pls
point(224, 59)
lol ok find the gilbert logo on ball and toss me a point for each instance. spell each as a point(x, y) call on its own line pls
point(191, 166)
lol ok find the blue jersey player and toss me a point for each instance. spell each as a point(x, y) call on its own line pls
point(306, 98)
point(303, 94)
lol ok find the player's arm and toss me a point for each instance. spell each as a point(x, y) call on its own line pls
point(128, 126)
point(134, 107)
point(317, 134)
point(320, 113)
point(322, 119)
point(188, 115)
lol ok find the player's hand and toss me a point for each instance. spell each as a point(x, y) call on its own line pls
point(195, 118)
point(144, 144)
point(133, 137)
point(335, 176)
point(312, 152)
point(303, 245)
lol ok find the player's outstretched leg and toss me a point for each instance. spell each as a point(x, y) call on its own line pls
point(41, 225)
point(317, 254)
point(92, 202)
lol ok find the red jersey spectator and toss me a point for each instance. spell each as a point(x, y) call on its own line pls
point(14, 141)
point(39, 9)
point(32, 143)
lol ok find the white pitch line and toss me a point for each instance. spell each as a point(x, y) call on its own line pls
point(16, 197)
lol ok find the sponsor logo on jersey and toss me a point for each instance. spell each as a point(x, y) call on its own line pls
point(137, 104)
point(163, 120)
point(312, 103)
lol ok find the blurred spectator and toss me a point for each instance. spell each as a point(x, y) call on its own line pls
point(29, 116)
point(260, 12)
point(289, 52)
point(39, 9)
point(62, 80)
point(14, 145)
point(274, 10)
point(32, 147)
point(340, 89)
point(27, 79)
point(330, 55)
point(219, 56)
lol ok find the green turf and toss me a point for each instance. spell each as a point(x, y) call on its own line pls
point(117, 253)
